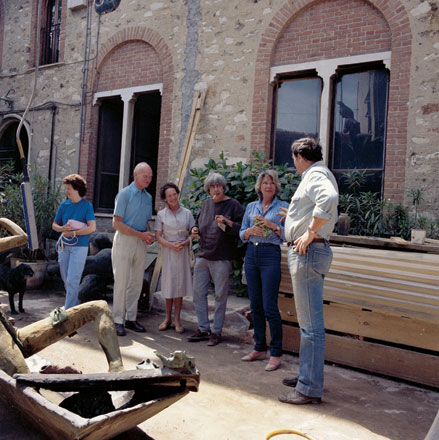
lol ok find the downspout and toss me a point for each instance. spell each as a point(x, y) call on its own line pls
point(84, 83)
point(52, 151)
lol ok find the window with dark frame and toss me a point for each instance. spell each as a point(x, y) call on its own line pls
point(297, 107)
point(358, 120)
point(359, 114)
point(50, 32)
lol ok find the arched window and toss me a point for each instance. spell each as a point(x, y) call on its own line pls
point(50, 32)
point(8, 145)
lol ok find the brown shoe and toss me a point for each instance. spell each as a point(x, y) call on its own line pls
point(292, 382)
point(296, 398)
point(199, 336)
point(215, 339)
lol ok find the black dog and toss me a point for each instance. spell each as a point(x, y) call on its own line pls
point(14, 281)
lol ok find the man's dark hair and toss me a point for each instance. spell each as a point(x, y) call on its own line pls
point(309, 148)
point(78, 183)
point(167, 186)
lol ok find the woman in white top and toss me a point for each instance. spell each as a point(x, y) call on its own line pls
point(172, 229)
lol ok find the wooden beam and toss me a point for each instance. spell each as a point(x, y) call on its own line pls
point(391, 361)
point(368, 324)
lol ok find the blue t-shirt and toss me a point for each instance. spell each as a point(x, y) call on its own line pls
point(82, 211)
point(134, 206)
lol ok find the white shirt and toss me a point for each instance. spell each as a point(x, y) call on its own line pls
point(316, 196)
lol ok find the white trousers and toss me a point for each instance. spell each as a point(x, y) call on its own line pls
point(128, 256)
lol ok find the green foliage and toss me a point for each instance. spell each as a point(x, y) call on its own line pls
point(45, 200)
point(369, 215)
point(241, 178)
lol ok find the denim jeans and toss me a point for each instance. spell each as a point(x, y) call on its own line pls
point(71, 265)
point(307, 275)
point(219, 272)
point(263, 274)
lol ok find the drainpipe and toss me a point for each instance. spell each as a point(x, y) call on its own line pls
point(52, 151)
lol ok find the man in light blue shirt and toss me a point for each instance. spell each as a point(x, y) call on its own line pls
point(131, 214)
point(310, 219)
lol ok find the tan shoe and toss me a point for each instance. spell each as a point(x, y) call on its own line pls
point(179, 328)
point(165, 325)
point(273, 364)
point(254, 356)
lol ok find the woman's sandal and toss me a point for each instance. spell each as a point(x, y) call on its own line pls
point(254, 356)
point(273, 364)
point(179, 328)
point(165, 325)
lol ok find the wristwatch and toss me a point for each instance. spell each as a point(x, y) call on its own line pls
point(312, 232)
point(277, 228)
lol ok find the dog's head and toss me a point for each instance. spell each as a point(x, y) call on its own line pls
point(25, 271)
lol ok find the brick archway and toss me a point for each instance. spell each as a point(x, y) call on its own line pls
point(157, 43)
point(397, 19)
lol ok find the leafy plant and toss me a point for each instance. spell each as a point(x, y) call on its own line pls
point(241, 178)
point(45, 200)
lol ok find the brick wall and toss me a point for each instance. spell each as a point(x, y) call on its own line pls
point(303, 31)
point(332, 29)
point(131, 64)
point(132, 57)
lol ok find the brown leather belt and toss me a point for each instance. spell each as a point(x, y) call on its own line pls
point(316, 240)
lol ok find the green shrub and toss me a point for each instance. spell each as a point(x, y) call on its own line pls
point(241, 178)
point(45, 200)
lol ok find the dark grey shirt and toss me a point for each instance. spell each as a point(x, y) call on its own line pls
point(216, 244)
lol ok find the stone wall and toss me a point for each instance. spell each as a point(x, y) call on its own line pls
point(221, 45)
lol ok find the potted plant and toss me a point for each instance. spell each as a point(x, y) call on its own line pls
point(46, 201)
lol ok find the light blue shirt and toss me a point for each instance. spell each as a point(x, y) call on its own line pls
point(134, 206)
point(255, 208)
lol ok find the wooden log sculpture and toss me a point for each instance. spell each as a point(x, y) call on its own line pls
point(16, 345)
point(18, 237)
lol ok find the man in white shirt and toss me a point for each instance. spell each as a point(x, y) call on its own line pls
point(310, 219)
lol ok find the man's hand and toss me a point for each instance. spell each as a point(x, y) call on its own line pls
point(303, 242)
point(147, 237)
point(195, 233)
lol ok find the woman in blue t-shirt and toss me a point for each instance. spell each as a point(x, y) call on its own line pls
point(75, 220)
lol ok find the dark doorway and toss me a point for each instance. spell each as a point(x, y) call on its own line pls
point(8, 146)
point(108, 153)
point(146, 131)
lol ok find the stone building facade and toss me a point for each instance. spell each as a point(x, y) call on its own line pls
point(116, 88)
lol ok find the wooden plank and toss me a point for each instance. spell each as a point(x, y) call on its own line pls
point(383, 242)
point(398, 283)
point(405, 364)
point(122, 381)
point(375, 325)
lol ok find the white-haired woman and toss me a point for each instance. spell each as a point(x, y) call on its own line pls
point(217, 227)
point(262, 230)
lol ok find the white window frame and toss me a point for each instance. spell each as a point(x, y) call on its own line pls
point(326, 69)
point(129, 96)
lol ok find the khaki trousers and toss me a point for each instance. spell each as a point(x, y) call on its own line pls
point(128, 256)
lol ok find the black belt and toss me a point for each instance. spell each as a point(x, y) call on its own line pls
point(316, 240)
point(262, 244)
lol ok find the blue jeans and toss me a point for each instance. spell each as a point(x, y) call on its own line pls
point(219, 272)
point(307, 275)
point(263, 274)
point(71, 265)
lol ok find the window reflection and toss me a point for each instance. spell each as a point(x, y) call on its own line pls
point(360, 124)
point(297, 115)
